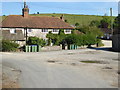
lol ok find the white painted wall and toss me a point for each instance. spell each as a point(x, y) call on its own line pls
point(36, 32)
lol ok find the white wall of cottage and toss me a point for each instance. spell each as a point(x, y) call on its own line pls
point(37, 32)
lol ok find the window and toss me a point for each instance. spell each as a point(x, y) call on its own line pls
point(55, 30)
point(12, 31)
point(67, 30)
point(44, 30)
point(29, 30)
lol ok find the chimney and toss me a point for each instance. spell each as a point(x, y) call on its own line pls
point(62, 17)
point(25, 10)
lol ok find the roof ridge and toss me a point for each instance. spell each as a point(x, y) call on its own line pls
point(44, 16)
point(14, 15)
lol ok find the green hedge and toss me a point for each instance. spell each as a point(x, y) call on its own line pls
point(9, 46)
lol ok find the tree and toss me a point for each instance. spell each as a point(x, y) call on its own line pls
point(77, 24)
point(105, 22)
point(95, 23)
point(50, 37)
point(36, 41)
point(38, 13)
point(117, 22)
point(93, 29)
point(66, 20)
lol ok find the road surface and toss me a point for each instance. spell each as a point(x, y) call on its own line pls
point(62, 69)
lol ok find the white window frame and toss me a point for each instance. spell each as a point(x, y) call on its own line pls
point(29, 30)
point(67, 30)
point(44, 30)
point(13, 31)
point(55, 30)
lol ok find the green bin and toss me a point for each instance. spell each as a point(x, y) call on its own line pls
point(35, 48)
point(29, 48)
point(26, 48)
point(32, 48)
point(71, 47)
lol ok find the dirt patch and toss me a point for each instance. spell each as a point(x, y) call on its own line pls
point(90, 52)
point(70, 53)
point(97, 62)
point(73, 64)
point(10, 77)
point(107, 68)
point(8, 83)
point(51, 61)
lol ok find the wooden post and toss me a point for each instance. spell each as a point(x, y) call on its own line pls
point(111, 20)
point(26, 35)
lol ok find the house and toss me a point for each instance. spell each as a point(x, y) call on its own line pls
point(18, 36)
point(37, 26)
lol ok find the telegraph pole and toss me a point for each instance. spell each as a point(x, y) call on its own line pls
point(111, 20)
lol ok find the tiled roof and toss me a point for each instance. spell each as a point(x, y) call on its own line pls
point(18, 21)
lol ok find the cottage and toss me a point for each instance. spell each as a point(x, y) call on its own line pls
point(28, 25)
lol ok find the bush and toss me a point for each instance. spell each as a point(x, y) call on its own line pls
point(56, 38)
point(36, 41)
point(9, 46)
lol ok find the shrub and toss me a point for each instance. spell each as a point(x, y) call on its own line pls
point(56, 38)
point(36, 41)
point(9, 46)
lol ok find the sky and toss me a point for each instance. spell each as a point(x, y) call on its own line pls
point(86, 8)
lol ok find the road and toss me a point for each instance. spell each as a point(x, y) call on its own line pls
point(62, 69)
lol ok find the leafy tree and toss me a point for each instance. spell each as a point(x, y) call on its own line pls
point(77, 24)
point(93, 29)
point(38, 13)
point(50, 37)
point(95, 23)
point(105, 22)
point(71, 39)
point(36, 41)
point(66, 20)
point(117, 22)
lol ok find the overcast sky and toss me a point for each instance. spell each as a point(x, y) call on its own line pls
point(86, 8)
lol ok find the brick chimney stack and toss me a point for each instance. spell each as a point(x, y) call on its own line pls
point(62, 17)
point(25, 10)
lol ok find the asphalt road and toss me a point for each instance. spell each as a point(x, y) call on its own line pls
point(38, 70)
